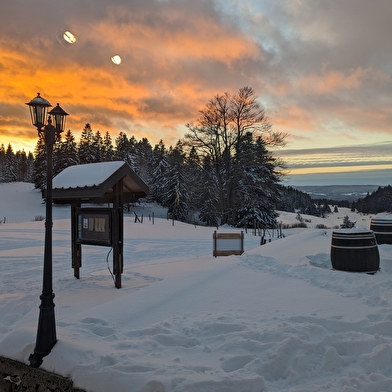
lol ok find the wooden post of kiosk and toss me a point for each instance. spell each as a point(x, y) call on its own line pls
point(118, 233)
point(76, 247)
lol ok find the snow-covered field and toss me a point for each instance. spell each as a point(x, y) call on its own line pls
point(277, 318)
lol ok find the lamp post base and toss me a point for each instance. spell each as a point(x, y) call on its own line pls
point(46, 334)
point(36, 360)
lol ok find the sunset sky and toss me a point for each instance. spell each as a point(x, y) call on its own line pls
point(321, 69)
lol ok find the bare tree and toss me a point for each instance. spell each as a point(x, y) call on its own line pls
point(226, 119)
point(218, 132)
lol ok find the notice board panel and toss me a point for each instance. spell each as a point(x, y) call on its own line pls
point(94, 226)
point(226, 244)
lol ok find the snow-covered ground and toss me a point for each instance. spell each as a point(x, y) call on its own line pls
point(277, 318)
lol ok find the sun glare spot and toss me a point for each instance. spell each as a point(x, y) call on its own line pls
point(69, 37)
point(65, 38)
point(116, 59)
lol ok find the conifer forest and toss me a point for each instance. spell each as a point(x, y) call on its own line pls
point(222, 172)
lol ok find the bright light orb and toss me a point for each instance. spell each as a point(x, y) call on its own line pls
point(69, 37)
point(116, 59)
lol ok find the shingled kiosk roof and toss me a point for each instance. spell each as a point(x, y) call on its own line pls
point(94, 182)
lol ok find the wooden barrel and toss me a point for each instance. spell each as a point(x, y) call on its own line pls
point(382, 229)
point(355, 250)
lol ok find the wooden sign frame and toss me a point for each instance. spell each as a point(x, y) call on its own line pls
point(226, 244)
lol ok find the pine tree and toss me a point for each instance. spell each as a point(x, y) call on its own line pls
point(256, 184)
point(39, 174)
point(30, 167)
point(143, 160)
point(160, 169)
point(194, 178)
point(125, 149)
point(10, 169)
point(98, 147)
point(209, 200)
point(108, 150)
point(86, 148)
point(21, 166)
point(175, 192)
point(65, 153)
point(347, 224)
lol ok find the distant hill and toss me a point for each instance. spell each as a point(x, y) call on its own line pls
point(337, 192)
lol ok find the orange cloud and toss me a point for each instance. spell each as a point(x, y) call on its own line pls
point(170, 34)
point(332, 82)
point(161, 84)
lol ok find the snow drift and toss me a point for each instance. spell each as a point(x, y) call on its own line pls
point(277, 318)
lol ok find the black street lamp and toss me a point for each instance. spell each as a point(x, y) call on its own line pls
point(46, 334)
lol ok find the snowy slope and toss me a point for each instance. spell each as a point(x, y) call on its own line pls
point(277, 318)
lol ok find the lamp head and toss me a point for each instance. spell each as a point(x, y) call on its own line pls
point(38, 109)
point(59, 118)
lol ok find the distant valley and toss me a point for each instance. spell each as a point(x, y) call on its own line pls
point(337, 192)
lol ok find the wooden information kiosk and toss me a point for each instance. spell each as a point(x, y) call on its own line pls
point(85, 188)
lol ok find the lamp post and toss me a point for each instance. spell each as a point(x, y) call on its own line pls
point(46, 333)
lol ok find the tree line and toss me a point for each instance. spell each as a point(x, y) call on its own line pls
point(15, 166)
point(373, 203)
point(221, 172)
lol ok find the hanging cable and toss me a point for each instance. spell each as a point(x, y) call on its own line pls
point(107, 262)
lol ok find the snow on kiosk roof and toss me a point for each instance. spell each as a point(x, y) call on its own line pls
point(94, 182)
